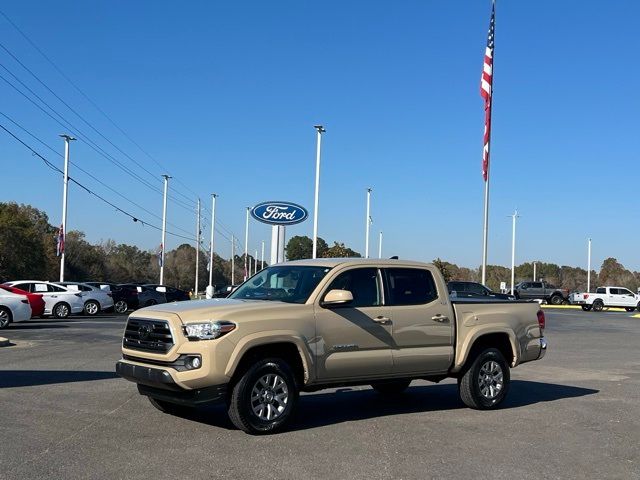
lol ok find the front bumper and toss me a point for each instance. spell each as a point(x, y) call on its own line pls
point(158, 383)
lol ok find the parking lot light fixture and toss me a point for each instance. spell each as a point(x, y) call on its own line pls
point(163, 245)
point(213, 223)
point(65, 190)
point(320, 130)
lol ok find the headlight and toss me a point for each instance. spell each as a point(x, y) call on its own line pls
point(208, 330)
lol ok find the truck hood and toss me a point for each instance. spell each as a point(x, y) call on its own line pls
point(215, 309)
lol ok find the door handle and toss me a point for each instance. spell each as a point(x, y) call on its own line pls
point(440, 318)
point(382, 320)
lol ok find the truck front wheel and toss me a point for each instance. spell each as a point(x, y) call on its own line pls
point(485, 382)
point(264, 397)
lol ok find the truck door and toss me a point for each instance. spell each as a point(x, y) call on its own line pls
point(614, 299)
point(354, 340)
point(421, 321)
point(627, 299)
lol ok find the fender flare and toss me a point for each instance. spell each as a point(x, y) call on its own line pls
point(462, 354)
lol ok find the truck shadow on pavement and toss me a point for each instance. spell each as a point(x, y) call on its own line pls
point(28, 378)
point(346, 404)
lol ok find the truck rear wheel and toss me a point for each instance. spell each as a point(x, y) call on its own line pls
point(556, 300)
point(264, 397)
point(485, 382)
point(598, 305)
point(586, 308)
point(391, 388)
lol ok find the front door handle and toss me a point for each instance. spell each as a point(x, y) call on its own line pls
point(440, 318)
point(382, 320)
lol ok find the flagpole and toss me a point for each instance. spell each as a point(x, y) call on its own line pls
point(485, 228)
point(164, 226)
point(62, 234)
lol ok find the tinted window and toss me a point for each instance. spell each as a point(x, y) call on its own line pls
point(535, 285)
point(23, 286)
point(363, 285)
point(614, 291)
point(601, 290)
point(410, 286)
point(524, 285)
point(53, 288)
point(477, 289)
point(624, 291)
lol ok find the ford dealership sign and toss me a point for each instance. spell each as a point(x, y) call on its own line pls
point(279, 213)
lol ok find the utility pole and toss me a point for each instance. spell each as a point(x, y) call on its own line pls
point(320, 129)
point(262, 257)
point(380, 245)
point(233, 260)
point(213, 223)
point(589, 266)
point(195, 290)
point(513, 249)
point(246, 244)
point(535, 264)
point(65, 191)
point(164, 227)
point(368, 224)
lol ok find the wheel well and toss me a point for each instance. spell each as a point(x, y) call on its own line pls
point(9, 312)
point(62, 303)
point(499, 341)
point(284, 350)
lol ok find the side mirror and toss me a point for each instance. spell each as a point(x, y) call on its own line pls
point(337, 297)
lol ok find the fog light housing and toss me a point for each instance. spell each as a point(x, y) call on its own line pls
point(193, 362)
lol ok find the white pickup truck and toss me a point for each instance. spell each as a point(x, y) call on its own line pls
point(606, 297)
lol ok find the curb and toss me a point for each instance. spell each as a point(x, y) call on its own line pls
point(578, 307)
point(4, 342)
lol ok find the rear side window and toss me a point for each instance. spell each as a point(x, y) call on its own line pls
point(410, 286)
point(24, 286)
point(363, 285)
point(536, 285)
point(457, 286)
point(40, 288)
point(601, 290)
point(477, 289)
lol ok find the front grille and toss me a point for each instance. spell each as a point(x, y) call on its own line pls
point(147, 335)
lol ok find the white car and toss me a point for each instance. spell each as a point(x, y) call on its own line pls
point(95, 299)
point(58, 301)
point(13, 308)
point(606, 297)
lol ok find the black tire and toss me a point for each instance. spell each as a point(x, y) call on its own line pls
point(241, 404)
point(170, 408)
point(6, 317)
point(475, 391)
point(61, 310)
point(598, 305)
point(91, 308)
point(586, 308)
point(120, 307)
point(629, 309)
point(391, 388)
point(556, 299)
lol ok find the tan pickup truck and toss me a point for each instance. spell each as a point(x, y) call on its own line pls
point(314, 324)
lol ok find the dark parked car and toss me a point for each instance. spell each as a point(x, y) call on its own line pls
point(476, 291)
point(123, 299)
point(224, 292)
point(542, 290)
point(170, 294)
point(142, 296)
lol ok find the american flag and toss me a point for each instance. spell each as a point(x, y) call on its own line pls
point(60, 242)
point(486, 86)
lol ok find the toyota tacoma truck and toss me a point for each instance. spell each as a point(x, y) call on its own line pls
point(606, 297)
point(307, 325)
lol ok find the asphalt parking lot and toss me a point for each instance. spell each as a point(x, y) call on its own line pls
point(575, 414)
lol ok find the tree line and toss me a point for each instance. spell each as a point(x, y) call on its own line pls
point(28, 251)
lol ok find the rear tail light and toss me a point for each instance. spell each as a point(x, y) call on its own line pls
point(585, 296)
point(541, 319)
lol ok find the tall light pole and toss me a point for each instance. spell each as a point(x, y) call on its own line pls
point(513, 249)
point(262, 257)
point(246, 244)
point(368, 224)
point(320, 129)
point(65, 191)
point(233, 260)
point(164, 226)
point(195, 290)
point(380, 245)
point(255, 263)
point(589, 266)
point(535, 264)
point(213, 223)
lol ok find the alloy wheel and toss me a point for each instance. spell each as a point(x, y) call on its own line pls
point(490, 379)
point(269, 397)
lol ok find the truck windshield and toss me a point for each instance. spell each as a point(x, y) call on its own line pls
point(291, 284)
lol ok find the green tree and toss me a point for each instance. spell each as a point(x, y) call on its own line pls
point(446, 269)
point(83, 261)
point(339, 250)
point(301, 247)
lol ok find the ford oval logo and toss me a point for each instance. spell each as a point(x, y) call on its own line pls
point(279, 213)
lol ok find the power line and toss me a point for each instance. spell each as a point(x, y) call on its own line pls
point(88, 190)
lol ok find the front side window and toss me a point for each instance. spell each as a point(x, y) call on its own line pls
point(362, 283)
point(40, 288)
point(291, 284)
point(614, 291)
point(410, 286)
point(624, 291)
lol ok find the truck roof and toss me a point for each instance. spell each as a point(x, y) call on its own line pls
point(334, 262)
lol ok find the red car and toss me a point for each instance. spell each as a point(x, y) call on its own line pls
point(35, 300)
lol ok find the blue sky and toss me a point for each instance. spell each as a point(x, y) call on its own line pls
point(225, 95)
